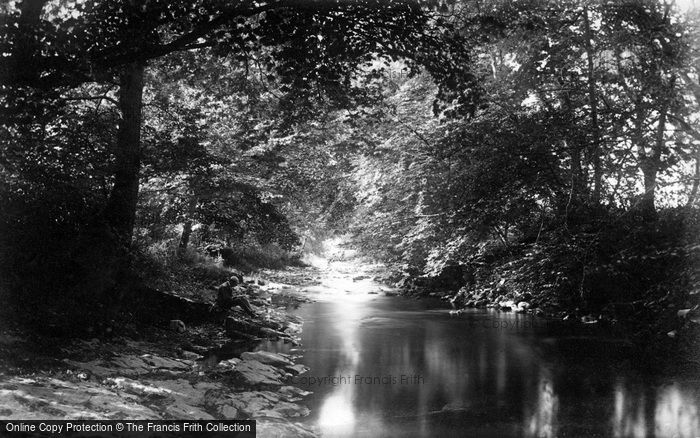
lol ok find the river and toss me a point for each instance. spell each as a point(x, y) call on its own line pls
point(397, 367)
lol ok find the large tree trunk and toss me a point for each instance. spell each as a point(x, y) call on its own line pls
point(21, 68)
point(593, 102)
point(185, 237)
point(120, 212)
point(650, 168)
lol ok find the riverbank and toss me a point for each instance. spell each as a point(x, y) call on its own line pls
point(664, 338)
point(203, 369)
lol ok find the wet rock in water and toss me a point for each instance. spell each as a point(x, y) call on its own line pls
point(390, 293)
point(267, 357)
point(292, 393)
point(506, 305)
point(523, 306)
point(190, 355)
point(297, 369)
point(359, 278)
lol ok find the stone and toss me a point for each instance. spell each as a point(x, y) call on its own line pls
point(292, 393)
point(266, 357)
point(281, 428)
point(228, 412)
point(165, 363)
point(138, 388)
point(54, 399)
point(183, 411)
point(254, 373)
point(177, 326)
point(190, 355)
point(523, 306)
point(297, 369)
point(238, 274)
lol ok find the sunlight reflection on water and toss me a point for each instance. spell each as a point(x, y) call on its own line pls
point(482, 373)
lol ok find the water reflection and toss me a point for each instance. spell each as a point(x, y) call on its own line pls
point(676, 413)
point(412, 371)
point(543, 420)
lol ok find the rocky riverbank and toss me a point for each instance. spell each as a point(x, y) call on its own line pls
point(207, 367)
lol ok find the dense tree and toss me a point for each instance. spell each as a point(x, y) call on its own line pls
point(312, 48)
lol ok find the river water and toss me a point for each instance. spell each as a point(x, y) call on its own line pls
point(397, 367)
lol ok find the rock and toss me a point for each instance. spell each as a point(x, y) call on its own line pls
point(264, 404)
point(480, 303)
point(672, 334)
point(254, 373)
point(523, 306)
point(234, 325)
point(138, 388)
point(131, 366)
point(183, 411)
point(280, 428)
point(589, 319)
point(292, 393)
point(261, 282)
point(297, 369)
point(228, 412)
point(267, 357)
point(285, 410)
point(238, 275)
point(227, 365)
point(190, 355)
point(177, 326)
point(359, 278)
point(390, 293)
point(54, 399)
point(271, 333)
point(164, 363)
